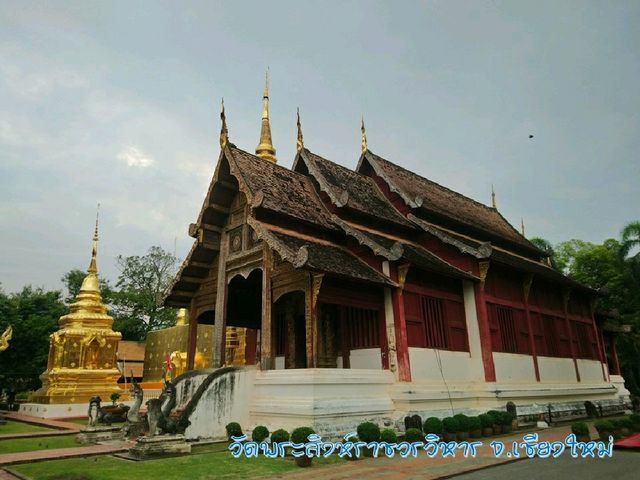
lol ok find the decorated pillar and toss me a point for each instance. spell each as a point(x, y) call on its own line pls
point(193, 336)
point(266, 329)
point(400, 323)
point(483, 324)
point(526, 285)
point(311, 318)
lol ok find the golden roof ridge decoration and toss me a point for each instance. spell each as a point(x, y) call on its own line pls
point(265, 149)
point(224, 133)
point(300, 140)
point(364, 137)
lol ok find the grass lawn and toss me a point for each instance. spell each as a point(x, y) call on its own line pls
point(20, 427)
point(41, 443)
point(206, 462)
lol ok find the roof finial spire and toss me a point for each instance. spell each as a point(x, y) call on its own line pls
point(522, 225)
point(93, 267)
point(300, 141)
point(364, 137)
point(224, 133)
point(265, 147)
point(493, 198)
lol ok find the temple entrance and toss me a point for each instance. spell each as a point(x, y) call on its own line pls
point(290, 331)
point(349, 336)
point(244, 319)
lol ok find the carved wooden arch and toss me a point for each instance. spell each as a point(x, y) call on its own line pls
point(244, 272)
point(281, 292)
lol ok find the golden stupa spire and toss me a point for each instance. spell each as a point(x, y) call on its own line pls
point(493, 198)
point(265, 147)
point(224, 133)
point(522, 226)
point(364, 137)
point(300, 141)
point(93, 266)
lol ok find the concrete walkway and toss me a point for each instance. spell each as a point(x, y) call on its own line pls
point(58, 453)
point(423, 467)
point(43, 422)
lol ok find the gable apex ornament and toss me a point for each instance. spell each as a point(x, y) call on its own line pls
point(224, 133)
point(300, 140)
point(363, 131)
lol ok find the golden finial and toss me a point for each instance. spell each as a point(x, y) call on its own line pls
point(93, 268)
point(182, 317)
point(265, 147)
point(364, 136)
point(224, 134)
point(300, 142)
point(522, 226)
point(493, 198)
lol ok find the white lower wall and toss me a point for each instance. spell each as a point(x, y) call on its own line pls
point(279, 363)
point(590, 371)
point(368, 358)
point(556, 370)
point(514, 368)
point(456, 366)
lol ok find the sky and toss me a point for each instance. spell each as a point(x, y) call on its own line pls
point(118, 103)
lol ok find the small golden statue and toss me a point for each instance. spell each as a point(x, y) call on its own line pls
point(4, 339)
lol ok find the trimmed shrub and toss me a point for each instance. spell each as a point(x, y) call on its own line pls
point(301, 434)
point(388, 435)
point(474, 424)
point(463, 422)
point(505, 418)
point(260, 433)
point(635, 418)
point(626, 423)
point(486, 420)
point(450, 425)
point(368, 432)
point(604, 426)
point(233, 430)
point(579, 429)
point(433, 425)
point(280, 436)
point(413, 435)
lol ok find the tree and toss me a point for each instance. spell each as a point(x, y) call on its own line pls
point(630, 243)
point(545, 246)
point(34, 315)
point(143, 283)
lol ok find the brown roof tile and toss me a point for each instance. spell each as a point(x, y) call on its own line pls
point(280, 190)
point(421, 193)
point(353, 190)
point(312, 254)
point(131, 351)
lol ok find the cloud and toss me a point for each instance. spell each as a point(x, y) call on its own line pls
point(134, 157)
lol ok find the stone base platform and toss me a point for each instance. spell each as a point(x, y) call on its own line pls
point(99, 434)
point(59, 410)
point(159, 446)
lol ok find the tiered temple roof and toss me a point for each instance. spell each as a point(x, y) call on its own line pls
point(313, 214)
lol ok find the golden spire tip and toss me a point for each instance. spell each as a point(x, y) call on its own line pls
point(265, 148)
point(300, 141)
point(364, 136)
point(93, 267)
point(493, 198)
point(522, 226)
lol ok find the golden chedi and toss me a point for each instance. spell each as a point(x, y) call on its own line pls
point(82, 354)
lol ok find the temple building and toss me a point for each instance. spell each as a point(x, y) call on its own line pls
point(376, 292)
point(82, 354)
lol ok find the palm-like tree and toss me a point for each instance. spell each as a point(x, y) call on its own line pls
point(630, 239)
